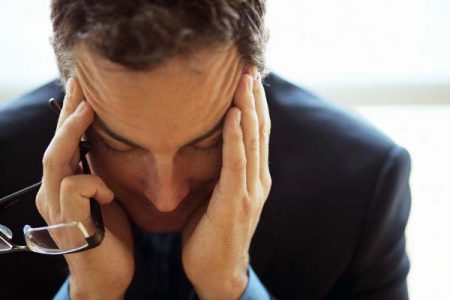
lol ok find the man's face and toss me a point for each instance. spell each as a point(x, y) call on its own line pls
point(157, 135)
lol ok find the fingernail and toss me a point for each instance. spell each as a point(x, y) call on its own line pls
point(81, 107)
point(257, 76)
point(245, 68)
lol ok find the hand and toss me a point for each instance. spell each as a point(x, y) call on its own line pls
point(217, 239)
point(107, 270)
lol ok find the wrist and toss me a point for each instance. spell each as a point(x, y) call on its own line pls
point(230, 287)
point(78, 290)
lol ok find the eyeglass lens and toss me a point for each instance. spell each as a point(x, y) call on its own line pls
point(56, 239)
point(4, 245)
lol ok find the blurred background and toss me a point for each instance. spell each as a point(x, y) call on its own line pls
point(387, 60)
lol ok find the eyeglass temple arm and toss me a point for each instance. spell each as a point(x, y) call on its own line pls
point(9, 200)
point(85, 146)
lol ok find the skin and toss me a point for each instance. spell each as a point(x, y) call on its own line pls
point(163, 181)
point(168, 176)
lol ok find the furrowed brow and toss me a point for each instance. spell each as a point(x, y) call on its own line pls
point(100, 124)
point(209, 133)
point(213, 130)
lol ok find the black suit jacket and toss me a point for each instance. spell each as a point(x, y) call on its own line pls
point(332, 228)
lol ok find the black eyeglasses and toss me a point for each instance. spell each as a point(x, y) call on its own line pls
point(56, 239)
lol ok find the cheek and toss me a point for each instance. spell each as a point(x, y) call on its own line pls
point(205, 167)
point(116, 171)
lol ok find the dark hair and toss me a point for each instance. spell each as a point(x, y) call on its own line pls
point(143, 34)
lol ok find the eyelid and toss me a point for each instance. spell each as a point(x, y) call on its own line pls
point(210, 141)
point(206, 151)
point(108, 140)
point(114, 148)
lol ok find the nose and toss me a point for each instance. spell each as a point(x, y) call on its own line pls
point(166, 185)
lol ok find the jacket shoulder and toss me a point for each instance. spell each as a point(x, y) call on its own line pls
point(327, 164)
point(300, 114)
point(26, 127)
point(33, 105)
point(321, 142)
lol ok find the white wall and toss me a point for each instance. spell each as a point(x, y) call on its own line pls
point(326, 45)
point(26, 58)
point(337, 42)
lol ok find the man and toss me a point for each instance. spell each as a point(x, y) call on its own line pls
point(170, 95)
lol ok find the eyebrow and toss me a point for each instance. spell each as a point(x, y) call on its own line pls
point(98, 122)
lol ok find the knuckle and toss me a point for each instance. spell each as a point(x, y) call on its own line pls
point(247, 207)
point(69, 185)
point(41, 204)
point(265, 130)
point(97, 184)
point(67, 127)
point(69, 105)
point(48, 162)
point(238, 164)
point(267, 182)
point(253, 144)
point(236, 135)
point(253, 116)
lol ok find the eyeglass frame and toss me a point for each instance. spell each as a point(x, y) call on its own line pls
point(92, 241)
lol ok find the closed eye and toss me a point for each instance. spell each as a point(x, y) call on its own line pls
point(209, 149)
point(124, 149)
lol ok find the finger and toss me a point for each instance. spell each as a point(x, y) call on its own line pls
point(262, 111)
point(233, 174)
point(58, 157)
point(76, 192)
point(72, 99)
point(245, 101)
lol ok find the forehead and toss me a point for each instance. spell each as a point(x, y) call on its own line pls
point(179, 100)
